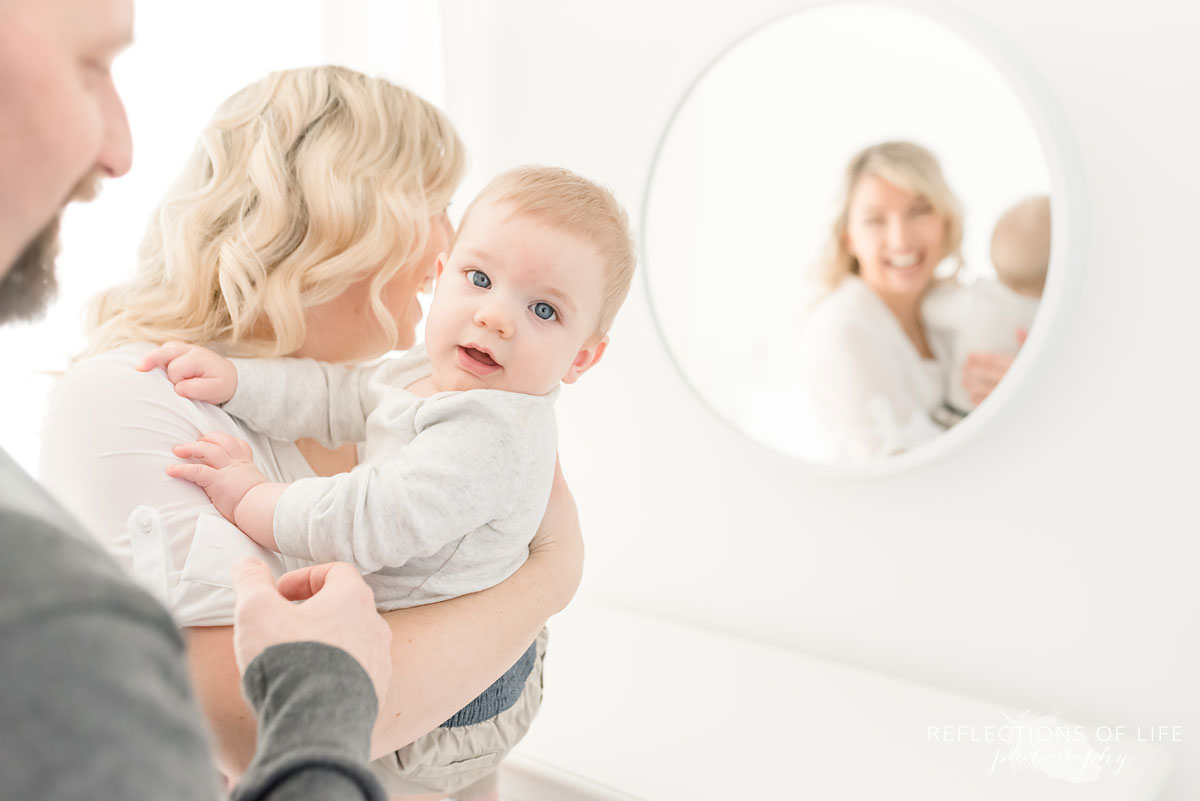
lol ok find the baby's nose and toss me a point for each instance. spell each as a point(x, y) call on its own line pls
point(495, 317)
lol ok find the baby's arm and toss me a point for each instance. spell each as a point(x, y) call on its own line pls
point(461, 472)
point(283, 398)
point(225, 471)
point(293, 398)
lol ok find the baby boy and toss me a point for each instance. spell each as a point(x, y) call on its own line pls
point(459, 434)
point(993, 316)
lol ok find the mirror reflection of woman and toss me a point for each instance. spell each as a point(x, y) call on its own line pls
point(873, 375)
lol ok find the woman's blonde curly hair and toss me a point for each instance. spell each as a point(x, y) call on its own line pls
point(303, 184)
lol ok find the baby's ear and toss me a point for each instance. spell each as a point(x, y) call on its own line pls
point(585, 360)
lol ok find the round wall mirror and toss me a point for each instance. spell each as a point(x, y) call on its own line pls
point(847, 233)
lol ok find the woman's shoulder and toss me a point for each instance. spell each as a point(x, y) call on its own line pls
point(104, 381)
point(848, 313)
point(109, 372)
point(106, 395)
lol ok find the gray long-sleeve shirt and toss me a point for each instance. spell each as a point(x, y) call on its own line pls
point(449, 492)
point(96, 702)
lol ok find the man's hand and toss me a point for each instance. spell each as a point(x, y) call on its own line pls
point(198, 373)
point(338, 609)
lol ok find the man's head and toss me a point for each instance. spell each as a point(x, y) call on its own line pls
point(542, 262)
point(62, 126)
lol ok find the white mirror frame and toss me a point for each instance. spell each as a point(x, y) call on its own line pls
point(1067, 250)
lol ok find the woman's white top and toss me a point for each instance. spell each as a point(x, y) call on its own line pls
point(106, 444)
point(865, 391)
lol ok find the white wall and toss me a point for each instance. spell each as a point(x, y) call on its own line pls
point(1049, 563)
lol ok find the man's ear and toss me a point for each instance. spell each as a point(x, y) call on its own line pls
point(585, 360)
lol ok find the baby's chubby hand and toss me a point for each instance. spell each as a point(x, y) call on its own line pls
point(198, 373)
point(224, 469)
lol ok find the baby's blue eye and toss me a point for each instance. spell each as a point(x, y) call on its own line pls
point(479, 279)
point(544, 310)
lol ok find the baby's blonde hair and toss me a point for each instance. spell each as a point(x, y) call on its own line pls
point(908, 166)
point(303, 184)
point(582, 207)
point(1021, 245)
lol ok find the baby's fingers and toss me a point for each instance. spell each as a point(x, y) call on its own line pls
point(199, 474)
point(208, 453)
point(198, 387)
point(162, 356)
point(238, 449)
point(194, 363)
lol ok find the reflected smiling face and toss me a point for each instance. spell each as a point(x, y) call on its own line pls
point(896, 236)
point(516, 305)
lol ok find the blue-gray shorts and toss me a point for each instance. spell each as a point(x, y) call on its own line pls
point(462, 759)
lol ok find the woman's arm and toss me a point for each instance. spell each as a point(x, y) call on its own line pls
point(444, 654)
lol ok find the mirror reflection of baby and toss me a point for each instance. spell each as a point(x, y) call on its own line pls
point(459, 434)
point(993, 316)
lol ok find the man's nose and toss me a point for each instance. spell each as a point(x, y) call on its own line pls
point(116, 148)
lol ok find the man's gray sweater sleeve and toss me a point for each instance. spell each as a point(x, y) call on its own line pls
point(96, 701)
point(316, 708)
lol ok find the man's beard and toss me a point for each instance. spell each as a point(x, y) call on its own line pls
point(29, 286)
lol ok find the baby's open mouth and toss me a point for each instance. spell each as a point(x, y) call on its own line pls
point(477, 361)
point(480, 356)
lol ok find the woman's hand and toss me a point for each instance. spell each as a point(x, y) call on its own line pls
point(983, 370)
point(198, 373)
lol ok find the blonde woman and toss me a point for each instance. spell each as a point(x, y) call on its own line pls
point(872, 374)
point(305, 224)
